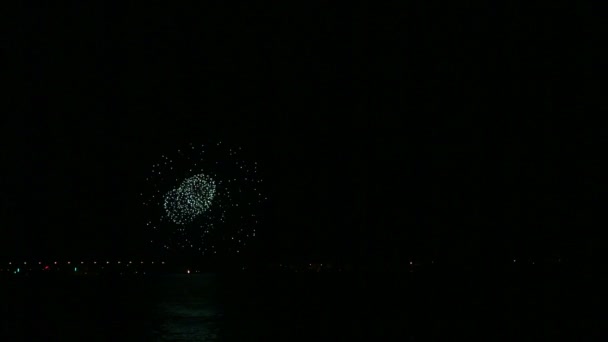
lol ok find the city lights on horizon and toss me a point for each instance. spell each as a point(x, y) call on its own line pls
point(82, 262)
point(412, 265)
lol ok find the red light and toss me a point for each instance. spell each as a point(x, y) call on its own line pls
point(46, 267)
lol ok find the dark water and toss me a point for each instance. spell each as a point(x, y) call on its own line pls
point(310, 307)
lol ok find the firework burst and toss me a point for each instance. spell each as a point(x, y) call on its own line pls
point(203, 199)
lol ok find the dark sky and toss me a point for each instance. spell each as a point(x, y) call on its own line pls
point(383, 133)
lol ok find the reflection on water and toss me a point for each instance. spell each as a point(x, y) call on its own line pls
point(297, 308)
point(185, 322)
point(187, 309)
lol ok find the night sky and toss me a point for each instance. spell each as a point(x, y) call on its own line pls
point(382, 133)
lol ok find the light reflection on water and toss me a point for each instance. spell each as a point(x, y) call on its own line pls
point(290, 307)
point(187, 322)
point(188, 312)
